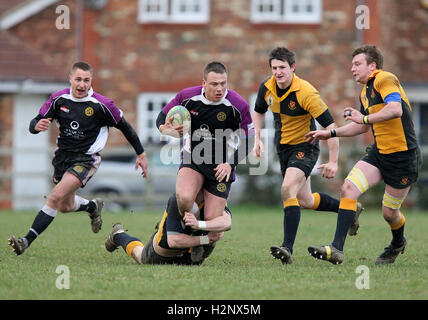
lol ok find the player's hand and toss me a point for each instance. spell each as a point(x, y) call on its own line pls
point(329, 169)
point(215, 236)
point(223, 171)
point(258, 149)
point(43, 124)
point(353, 115)
point(316, 135)
point(143, 163)
point(170, 130)
point(190, 220)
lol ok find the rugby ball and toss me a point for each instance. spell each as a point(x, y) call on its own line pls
point(180, 116)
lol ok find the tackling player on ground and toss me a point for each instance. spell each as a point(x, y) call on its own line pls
point(175, 237)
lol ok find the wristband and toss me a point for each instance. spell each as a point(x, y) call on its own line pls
point(332, 133)
point(202, 225)
point(366, 120)
point(204, 240)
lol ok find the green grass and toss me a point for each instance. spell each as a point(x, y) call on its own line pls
point(240, 267)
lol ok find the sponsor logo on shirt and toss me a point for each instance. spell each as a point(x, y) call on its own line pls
point(65, 109)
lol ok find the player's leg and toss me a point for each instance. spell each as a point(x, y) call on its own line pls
point(189, 183)
point(84, 171)
point(131, 245)
point(294, 180)
point(362, 177)
point(320, 201)
point(66, 187)
point(391, 204)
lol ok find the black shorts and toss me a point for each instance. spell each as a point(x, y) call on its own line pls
point(399, 169)
point(303, 156)
point(220, 189)
point(83, 166)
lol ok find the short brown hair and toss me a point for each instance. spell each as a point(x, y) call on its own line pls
point(372, 54)
point(282, 54)
point(82, 66)
point(216, 67)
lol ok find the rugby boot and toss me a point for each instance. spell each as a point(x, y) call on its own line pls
point(96, 221)
point(355, 225)
point(281, 253)
point(109, 242)
point(390, 253)
point(327, 253)
point(18, 245)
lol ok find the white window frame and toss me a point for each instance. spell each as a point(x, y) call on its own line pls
point(170, 11)
point(146, 119)
point(283, 11)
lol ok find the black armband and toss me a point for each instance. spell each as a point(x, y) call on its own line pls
point(130, 135)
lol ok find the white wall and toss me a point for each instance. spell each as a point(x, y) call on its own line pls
point(31, 155)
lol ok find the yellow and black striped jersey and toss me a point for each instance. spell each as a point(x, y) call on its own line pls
point(396, 134)
point(294, 111)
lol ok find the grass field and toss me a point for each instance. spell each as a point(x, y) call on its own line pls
point(240, 267)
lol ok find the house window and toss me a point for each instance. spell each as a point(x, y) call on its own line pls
point(148, 107)
point(173, 11)
point(286, 11)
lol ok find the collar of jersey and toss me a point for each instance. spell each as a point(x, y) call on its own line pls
point(84, 99)
point(374, 74)
point(295, 86)
point(206, 101)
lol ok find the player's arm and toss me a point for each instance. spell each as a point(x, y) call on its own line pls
point(132, 137)
point(259, 115)
point(43, 120)
point(166, 127)
point(39, 124)
point(182, 240)
point(329, 169)
point(258, 120)
point(221, 223)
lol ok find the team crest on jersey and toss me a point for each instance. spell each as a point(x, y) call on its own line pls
point(300, 155)
point(404, 181)
point(221, 187)
point(292, 105)
point(78, 169)
point(65, 109)
point(373, 94)
point(364, 97)
point(221, 116)
point(270, 100)
point(89, 111)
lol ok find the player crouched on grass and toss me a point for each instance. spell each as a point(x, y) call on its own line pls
point(180, 240)
point(83, 117)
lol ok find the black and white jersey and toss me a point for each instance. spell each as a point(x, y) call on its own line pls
point(217, 128)
point(83, 123)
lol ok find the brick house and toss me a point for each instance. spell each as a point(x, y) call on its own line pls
point(144, 51)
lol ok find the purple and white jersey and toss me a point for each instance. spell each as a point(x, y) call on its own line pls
point(215, 126)
point(83, 123)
